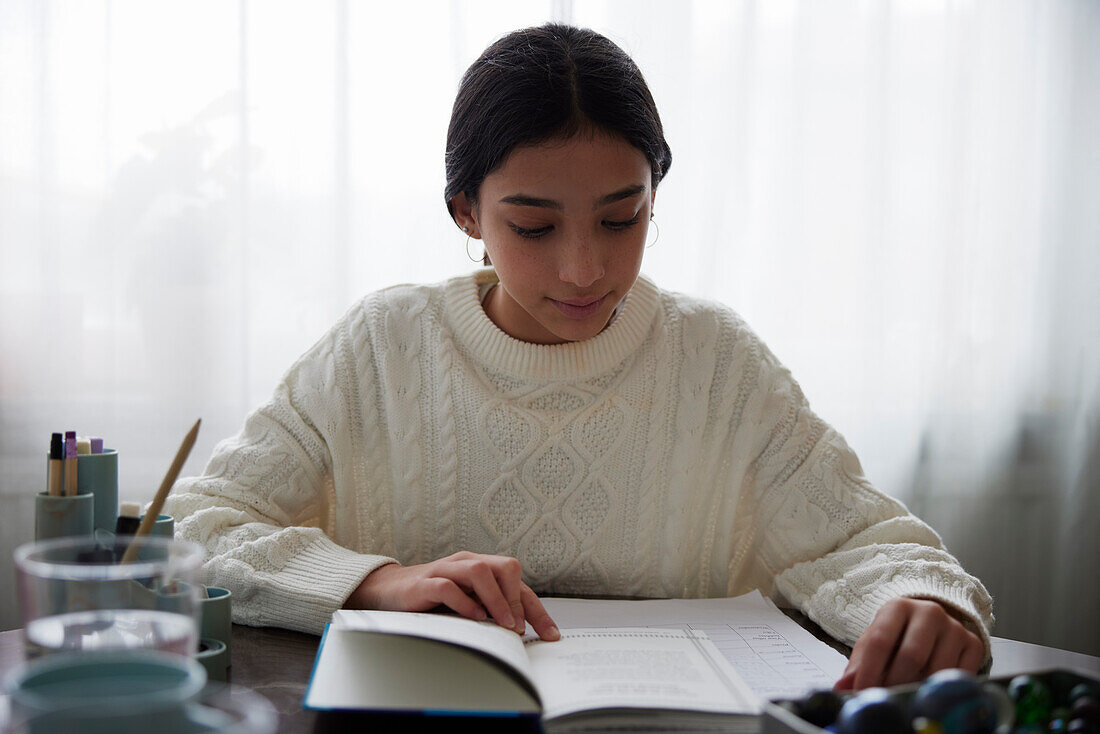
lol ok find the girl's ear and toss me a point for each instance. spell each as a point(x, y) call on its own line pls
point(465, 215)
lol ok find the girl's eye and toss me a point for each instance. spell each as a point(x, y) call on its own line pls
point(619, 226)
point(537, 232)
point(531, 234)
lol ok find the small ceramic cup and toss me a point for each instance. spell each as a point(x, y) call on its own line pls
point(164, 527)
point(63, 517)
point(214, 656)
point(216, 617)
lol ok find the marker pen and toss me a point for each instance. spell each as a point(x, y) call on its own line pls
point(70, 463)
point(129, 518)
point(97, 445)
point(57, 454)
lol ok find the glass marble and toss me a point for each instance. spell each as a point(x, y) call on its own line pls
point(820, 708)
point(922, 725)
point(957, 702)
point(1081, 690)
point(1032, 699)
point(872, 712)
point(1087, 708)
point(1081, 726)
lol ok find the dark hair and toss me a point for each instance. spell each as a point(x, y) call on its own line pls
point(544, 83)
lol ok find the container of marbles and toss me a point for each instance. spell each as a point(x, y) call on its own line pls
point(1056, 701)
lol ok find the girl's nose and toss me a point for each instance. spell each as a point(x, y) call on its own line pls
point(581, 263)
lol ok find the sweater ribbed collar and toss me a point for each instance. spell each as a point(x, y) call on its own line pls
point(491, 347)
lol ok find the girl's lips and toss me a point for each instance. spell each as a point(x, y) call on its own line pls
point(578, 312)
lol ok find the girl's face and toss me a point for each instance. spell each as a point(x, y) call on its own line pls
point(565, 226)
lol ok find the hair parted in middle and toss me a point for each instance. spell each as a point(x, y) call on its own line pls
point(540, 84)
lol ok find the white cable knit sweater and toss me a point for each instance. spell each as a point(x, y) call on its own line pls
point(669, 456)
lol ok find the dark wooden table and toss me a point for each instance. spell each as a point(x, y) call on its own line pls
point(277, 664)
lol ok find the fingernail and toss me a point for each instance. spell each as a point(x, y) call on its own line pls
point(554, 632)
point(509, 621)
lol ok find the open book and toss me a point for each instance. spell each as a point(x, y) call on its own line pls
point(399, 662)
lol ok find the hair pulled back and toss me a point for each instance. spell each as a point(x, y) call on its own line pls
point(540, 84)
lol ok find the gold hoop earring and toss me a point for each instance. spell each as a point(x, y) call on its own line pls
point(654, 223)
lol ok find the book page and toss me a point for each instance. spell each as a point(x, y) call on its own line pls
point(770, 651)
point(364, 671)
point(487, 637)
point(635, 668)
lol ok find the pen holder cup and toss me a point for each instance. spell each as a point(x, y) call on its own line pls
point(63, 517)
point(164, 527)
point(214, 657)
point(216, 618)
point(97, 474)
point(74, 595)
point(105, 692)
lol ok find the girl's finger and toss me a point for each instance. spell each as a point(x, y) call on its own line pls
point(922, 635)
point(845, 681)
point(875, 647)
point(972, 655)
point(440, 590)
point(509, 575)
point(536, 614)
point(476, 575)
point(950, 646)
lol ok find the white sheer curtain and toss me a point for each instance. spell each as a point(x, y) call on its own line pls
point(899, 195)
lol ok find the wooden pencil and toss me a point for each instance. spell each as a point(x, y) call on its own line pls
point(153, 511)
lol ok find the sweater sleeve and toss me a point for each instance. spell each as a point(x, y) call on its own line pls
point(833, 545)
point(260, 509)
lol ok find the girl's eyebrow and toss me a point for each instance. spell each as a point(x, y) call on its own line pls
point(524, 200)
point(620, 195)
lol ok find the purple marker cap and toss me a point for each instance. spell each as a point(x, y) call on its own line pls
point(97, 445)
point(70, 444)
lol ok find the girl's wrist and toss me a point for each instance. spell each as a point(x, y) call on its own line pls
point(365, 595)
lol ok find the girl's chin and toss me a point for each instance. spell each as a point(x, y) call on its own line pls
point(574, 330)
point(550, 324)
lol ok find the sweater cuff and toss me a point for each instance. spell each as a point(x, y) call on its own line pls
point(956, 599)
point(316, 582)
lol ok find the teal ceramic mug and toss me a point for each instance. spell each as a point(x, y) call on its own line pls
point(164, 527)
point(63, 517)
point(97, 475)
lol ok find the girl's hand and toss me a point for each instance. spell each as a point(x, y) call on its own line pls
point(473, 584)
point(909, 639)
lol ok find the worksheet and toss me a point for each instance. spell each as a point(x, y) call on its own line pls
point(771, 652)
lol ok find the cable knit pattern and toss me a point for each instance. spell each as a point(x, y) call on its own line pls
point(671, 455)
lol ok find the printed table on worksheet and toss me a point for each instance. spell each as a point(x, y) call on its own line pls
point(776, 657)
point(766, 660)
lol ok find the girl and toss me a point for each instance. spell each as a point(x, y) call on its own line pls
point(558, 423)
